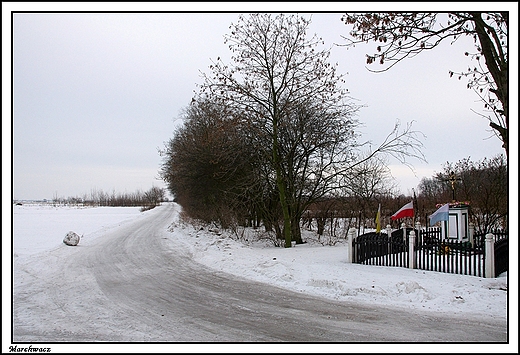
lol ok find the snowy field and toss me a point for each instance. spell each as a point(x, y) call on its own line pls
point(310, 268)
point(42, 227)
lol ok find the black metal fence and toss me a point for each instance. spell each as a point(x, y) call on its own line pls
point(451, 256)
point(379, 249)
point(431, 252)
point(499, 234)
point(501, 255)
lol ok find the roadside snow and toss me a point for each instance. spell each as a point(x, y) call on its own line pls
point(322, 270)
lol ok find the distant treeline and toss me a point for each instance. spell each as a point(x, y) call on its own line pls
point(148, 199)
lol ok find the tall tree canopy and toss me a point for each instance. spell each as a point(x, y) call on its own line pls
point(275, 74)
point(272, 131)
point(403, 35)
point(289, 93)
point(208, 163)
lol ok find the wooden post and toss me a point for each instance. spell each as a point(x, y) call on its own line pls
point(419, 234)
point(471, 232)
point(411, 250)
point(389, 235)
point(350, 250)
point(418, 242)
point(489, 251)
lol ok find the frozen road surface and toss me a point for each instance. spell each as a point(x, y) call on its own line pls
point(138, 284)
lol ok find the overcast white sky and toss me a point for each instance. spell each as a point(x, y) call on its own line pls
point(96, 94)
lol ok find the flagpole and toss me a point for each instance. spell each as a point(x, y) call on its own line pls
point(413, 218)
point(415, 208)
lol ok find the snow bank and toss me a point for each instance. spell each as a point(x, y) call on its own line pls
point(322, 270)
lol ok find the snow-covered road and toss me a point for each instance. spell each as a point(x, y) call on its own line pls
point(140, 284)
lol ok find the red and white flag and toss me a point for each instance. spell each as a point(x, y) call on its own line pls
point(405, 211)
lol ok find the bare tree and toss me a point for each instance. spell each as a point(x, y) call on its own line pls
point(368, 183)
point(485, 185)
point(154, 196)
point(402, 35)
point(286, 91)
point(274, 67)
